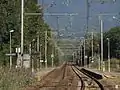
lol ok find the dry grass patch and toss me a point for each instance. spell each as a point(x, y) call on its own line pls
point(15, 79)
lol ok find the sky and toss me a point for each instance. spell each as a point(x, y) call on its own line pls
point(77, 23)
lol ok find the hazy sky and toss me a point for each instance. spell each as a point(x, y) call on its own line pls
point(79, 6)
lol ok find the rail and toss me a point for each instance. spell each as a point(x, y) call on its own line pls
point(82, 82)
point(98, 83)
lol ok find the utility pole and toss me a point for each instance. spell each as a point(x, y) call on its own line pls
point(108, 54)
point(101, 29)
point(10, 53)
point(22, 23)
point(52, 55)
point(81, 54)
point(84, 53)
point(46, 49)
point(99, 57)
point(38, 44)
point(58, 26)
point(42, 3)
point(40, 56)
point(32, 51)
point(58, 35)
point(87, 15)
point(92, 46)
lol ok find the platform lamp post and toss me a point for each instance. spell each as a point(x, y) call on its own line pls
point(11, 31)
point(108, 54)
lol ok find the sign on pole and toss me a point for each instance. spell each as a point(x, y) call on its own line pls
point(12, 54)
point(52, 55)
point(26, 56)
point(41, 61)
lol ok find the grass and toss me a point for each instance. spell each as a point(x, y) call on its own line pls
point(114, 65)
point(15, 79)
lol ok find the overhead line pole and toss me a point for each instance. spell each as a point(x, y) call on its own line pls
point(92, 46)
point(53, 49)
point(87, 15)
point(81, 55)
point(84, 53)
point(22, 21)
point(53, 14)
point(38, 50)
point(10, 52)
point(58, 26)
point(101, 29)
point(108, 39)
point(46, 49)
point(42, 3)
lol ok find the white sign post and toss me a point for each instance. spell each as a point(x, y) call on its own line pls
point(26, 60)
point(52, 56)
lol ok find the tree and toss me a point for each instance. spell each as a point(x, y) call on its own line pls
point(96, 42)
point(10, 19)
point(114, 35)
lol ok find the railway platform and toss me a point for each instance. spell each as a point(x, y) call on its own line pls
point(105, 74)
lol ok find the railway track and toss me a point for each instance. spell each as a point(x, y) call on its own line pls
point(54, 80)
point(69, 81)
point(82, 87)
point(51, 80)
point(87, 81)
point(68, 77)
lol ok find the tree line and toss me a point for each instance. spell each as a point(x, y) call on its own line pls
point(114, 39)
point(10, 19)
